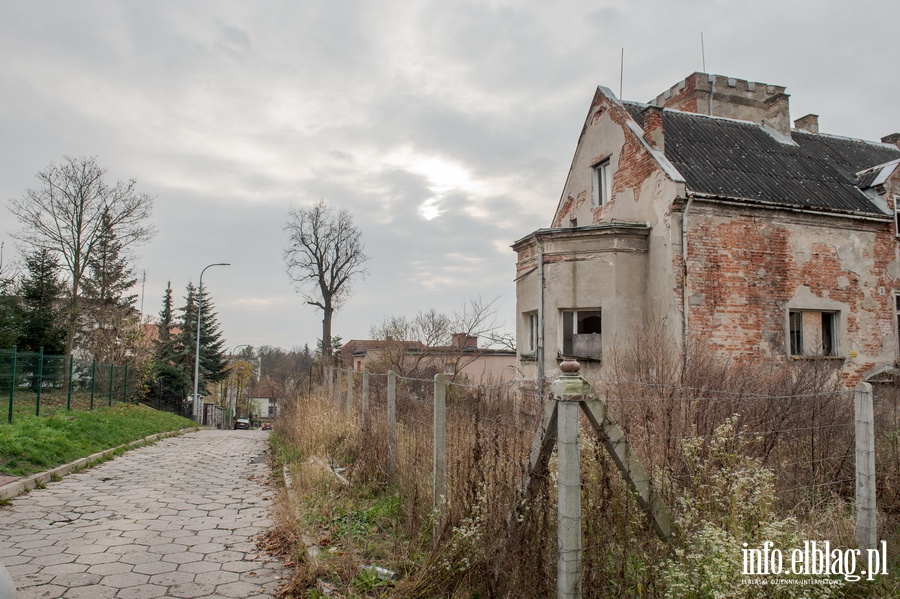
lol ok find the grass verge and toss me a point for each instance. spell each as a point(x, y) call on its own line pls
point(31, 445)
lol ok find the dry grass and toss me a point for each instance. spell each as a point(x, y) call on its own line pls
point(792, 418)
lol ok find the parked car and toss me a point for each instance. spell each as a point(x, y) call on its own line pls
point(267, 426)
point(242, 424)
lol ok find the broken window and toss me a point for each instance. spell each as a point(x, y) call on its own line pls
point(897, 315)
point(532, 320)
point(813, 333)
point(601, 184)
point(582, 334)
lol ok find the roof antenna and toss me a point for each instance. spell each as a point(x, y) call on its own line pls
point(621, 73)
point(702, 52)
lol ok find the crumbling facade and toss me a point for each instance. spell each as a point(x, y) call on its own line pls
point(704, 212)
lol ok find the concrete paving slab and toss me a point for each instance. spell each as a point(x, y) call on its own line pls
point(175, 519)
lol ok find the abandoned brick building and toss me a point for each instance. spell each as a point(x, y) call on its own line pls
point(706, 213)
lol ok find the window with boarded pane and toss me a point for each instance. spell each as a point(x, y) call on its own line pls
point(582, 334)
point(601, 183)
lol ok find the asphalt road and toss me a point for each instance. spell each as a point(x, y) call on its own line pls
point(175, 519)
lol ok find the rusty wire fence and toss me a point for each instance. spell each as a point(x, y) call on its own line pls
point(802, 430)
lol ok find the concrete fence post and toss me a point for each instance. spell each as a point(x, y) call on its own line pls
point(364, 399)
point(866, 514)
point(349, 405)
point(568, 392)
point(339, 386)
point(392, 425)
point(440, 449)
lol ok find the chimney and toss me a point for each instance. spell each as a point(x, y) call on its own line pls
point(463, 341)
point(653, 128)
point(893, 138)
point(808, 123)
point(778, 114)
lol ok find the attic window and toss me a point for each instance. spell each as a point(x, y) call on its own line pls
point(813, 333)
point(601, 183)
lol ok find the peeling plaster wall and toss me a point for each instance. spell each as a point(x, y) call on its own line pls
point(586, 270)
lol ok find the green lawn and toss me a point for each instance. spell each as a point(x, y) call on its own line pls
point(30, 445)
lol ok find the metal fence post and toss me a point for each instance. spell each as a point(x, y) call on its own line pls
point(125, 385)
point(364, 399)
point(69, 385)
point(40, 382)
point(440, 450)
point(93, 381)
point(111, 374)
point(392, 424)
point(12, 384)
point(866, 513)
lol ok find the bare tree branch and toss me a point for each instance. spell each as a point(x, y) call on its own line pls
point(324, 255)
point(66, 215)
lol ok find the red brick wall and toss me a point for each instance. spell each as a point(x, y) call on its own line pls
point(743, 271)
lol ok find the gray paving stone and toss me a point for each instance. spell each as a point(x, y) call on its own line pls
point(191, 590)
point(143, 591)
point(120, 530)
point(123, 581)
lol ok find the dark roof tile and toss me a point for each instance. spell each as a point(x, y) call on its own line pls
point(740, 160)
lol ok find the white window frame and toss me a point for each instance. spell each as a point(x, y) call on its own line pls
point(531, 319)
point(601, 183)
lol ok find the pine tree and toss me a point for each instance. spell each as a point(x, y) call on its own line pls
point(42, 321)
point(110, 327)
point(169, 383)
point(213, 365)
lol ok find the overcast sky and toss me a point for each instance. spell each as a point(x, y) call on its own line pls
point(446, 128)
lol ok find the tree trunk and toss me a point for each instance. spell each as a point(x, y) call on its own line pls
point(328, 314)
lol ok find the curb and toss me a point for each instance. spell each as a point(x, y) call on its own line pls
point(23, 485)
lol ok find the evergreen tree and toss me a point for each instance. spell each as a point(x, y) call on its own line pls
point(42, 291)
point(213, 364)
point(110, 327)
point(169, 383)
point(10, 315)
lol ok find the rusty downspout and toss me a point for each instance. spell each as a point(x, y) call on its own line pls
point(684, 280)
point(539, 351)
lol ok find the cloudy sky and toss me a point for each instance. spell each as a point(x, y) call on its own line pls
point(446, 128)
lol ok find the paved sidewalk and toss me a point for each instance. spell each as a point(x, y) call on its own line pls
point(175, 519)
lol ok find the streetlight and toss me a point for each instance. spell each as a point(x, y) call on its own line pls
point(232, 399)
point(197, 415)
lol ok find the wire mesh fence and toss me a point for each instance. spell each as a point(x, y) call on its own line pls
point(691, 437)
point(39, 384)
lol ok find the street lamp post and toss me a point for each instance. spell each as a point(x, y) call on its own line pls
point(232, 399)
point(198, 416)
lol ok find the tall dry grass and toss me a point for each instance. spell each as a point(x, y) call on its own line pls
point(791, 418)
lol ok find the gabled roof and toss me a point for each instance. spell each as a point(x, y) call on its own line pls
point(741, 160)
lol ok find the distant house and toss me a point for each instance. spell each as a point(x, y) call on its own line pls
point(462, 358)
point(705, 212)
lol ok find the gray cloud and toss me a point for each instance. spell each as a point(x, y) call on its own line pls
point(447, 128)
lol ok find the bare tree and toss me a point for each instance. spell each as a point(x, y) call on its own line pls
point(325, 254)
point(69, 213)
point(411, 344)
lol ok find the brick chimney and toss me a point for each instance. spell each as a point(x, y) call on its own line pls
point(893, 138)
point(653, 128)
point(808, 123)
point(463, 341)
point(778, 114)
